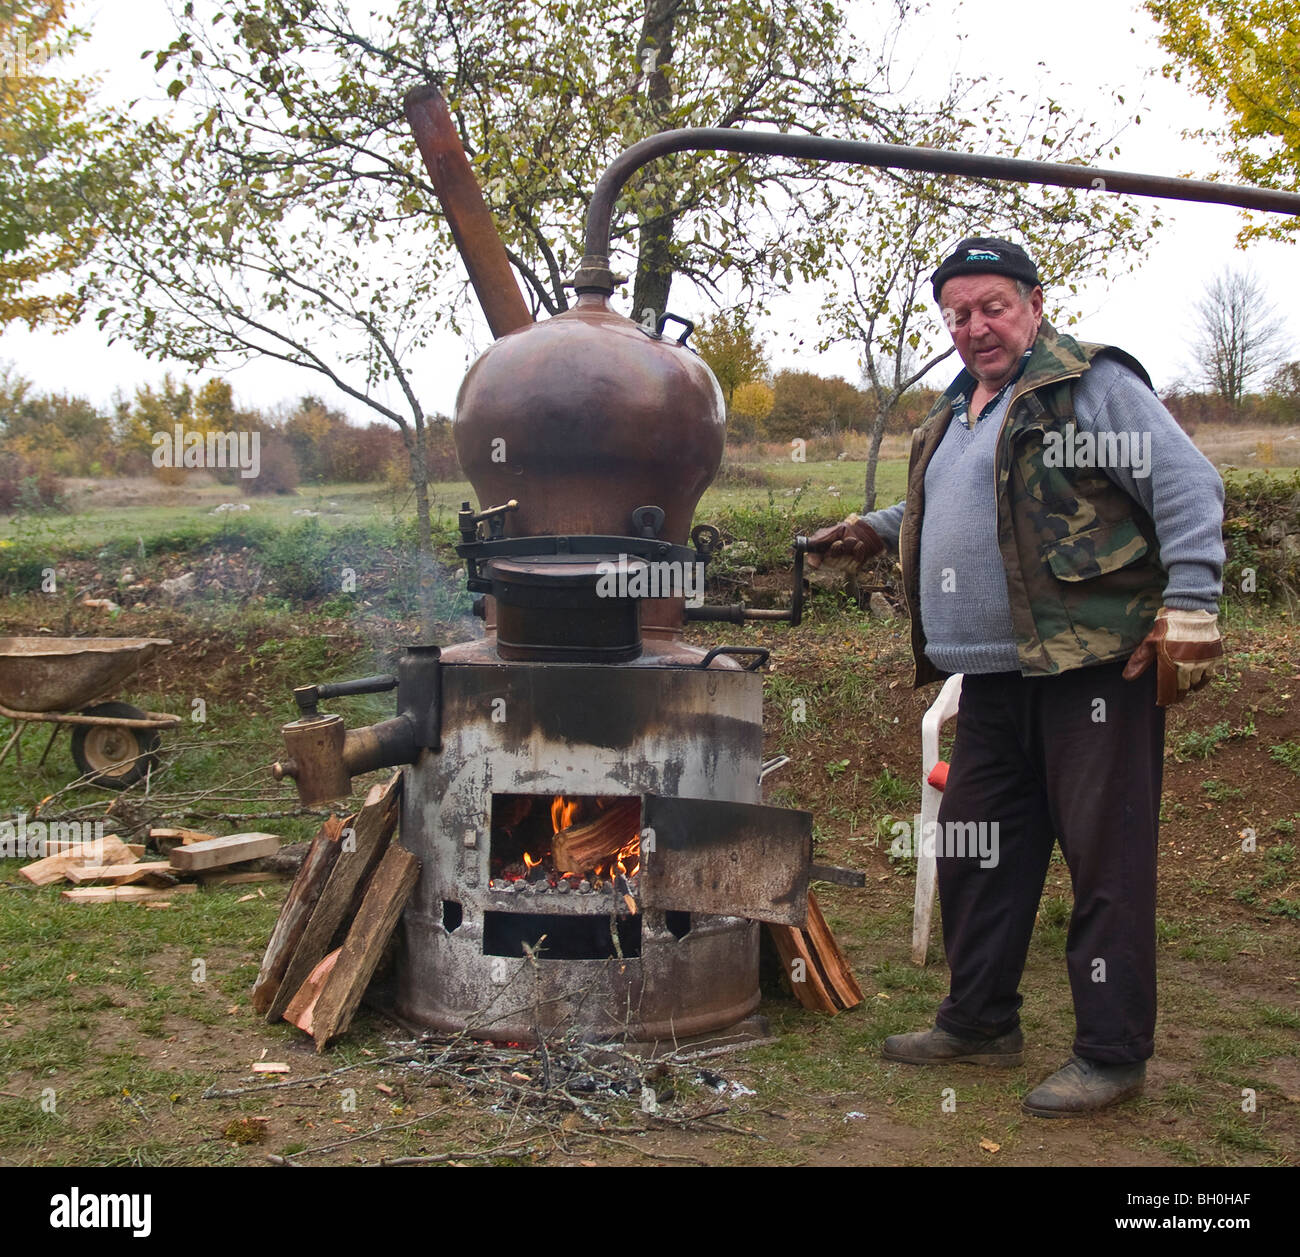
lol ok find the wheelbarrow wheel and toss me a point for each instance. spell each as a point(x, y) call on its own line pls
point(114, 756)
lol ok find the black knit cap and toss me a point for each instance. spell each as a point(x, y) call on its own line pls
point(985, 255)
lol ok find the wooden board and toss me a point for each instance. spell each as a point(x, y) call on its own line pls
point(371, 831)
point(217, 852)
point(297, 909)
point(826, 982)
point(300, 1009)
point(239, 879)
point(830, 959)
point(123, 894)
point(54, 868)
point(386, 896)
point(801, 969)
point(155, 871)
point(185, 836)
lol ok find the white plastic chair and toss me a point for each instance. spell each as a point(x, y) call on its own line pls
point(943, 709)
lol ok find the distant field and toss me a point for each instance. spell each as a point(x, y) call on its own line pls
point(98, 511)
point(1252, 449)
point(98, 514)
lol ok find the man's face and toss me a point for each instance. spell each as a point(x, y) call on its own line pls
point(990, 324)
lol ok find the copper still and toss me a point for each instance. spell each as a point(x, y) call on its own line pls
point(588, 440)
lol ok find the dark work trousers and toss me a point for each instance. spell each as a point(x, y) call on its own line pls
point(1074, 758)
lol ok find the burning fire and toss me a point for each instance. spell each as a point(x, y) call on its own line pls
point(590, 851)
point(626, 860)
point(562, 813)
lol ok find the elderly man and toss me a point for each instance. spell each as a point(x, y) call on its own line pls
point(1060, 534)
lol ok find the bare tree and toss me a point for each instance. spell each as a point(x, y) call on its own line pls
point(1238, 334)
point(901, 224)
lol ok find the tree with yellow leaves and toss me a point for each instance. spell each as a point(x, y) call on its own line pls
point(47, 134)
point(1243, 55)
point(751, 403)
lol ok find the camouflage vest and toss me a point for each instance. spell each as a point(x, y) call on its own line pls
point(1081, 556)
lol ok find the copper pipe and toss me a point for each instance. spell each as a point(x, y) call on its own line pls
point(468, 216)
point(593, 273)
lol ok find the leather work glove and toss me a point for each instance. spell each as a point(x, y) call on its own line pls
point(1185, 645)
point(845, 546)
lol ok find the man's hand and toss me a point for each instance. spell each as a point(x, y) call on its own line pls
point(851, 542)
point(1186, 647)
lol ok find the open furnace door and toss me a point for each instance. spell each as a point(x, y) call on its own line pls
point(731, 859)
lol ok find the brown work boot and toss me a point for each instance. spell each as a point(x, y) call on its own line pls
point(938, 1047)
point(1083, 1086)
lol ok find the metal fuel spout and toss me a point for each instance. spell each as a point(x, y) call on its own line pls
point(322, 756)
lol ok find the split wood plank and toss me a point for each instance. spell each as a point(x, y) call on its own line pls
point(303, 1005)
point(54, 868)
point(371, 831)
point(297, 909)
point(185, 836)
point(805, 978)
point(819, 972)
point(830, 959)
point(167, 839)
point(123, 894)
point(156, 871)
point(239, 879)
point(217, 852)
point(386, 896)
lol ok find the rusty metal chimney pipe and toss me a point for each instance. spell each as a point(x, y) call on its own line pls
point(467, 214)
point(594, 275)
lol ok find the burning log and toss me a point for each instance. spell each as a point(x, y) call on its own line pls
point(583, 847)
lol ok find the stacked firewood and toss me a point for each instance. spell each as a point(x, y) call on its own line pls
point(337, 919)
point(819, 972)
point(108, 870)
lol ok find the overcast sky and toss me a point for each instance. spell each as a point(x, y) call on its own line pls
point(1080, 56)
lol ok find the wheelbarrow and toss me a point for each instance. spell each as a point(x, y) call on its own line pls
point(58, 680)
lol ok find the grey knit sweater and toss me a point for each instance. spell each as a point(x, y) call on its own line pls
point(965, 608)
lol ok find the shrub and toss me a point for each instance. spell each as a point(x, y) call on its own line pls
point(440, 452)
point(742, 476)
point(1261, 528)
point(278, 472)
point(301, 561)
point(767, 532)
point(24, 487)
point(439, 458)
